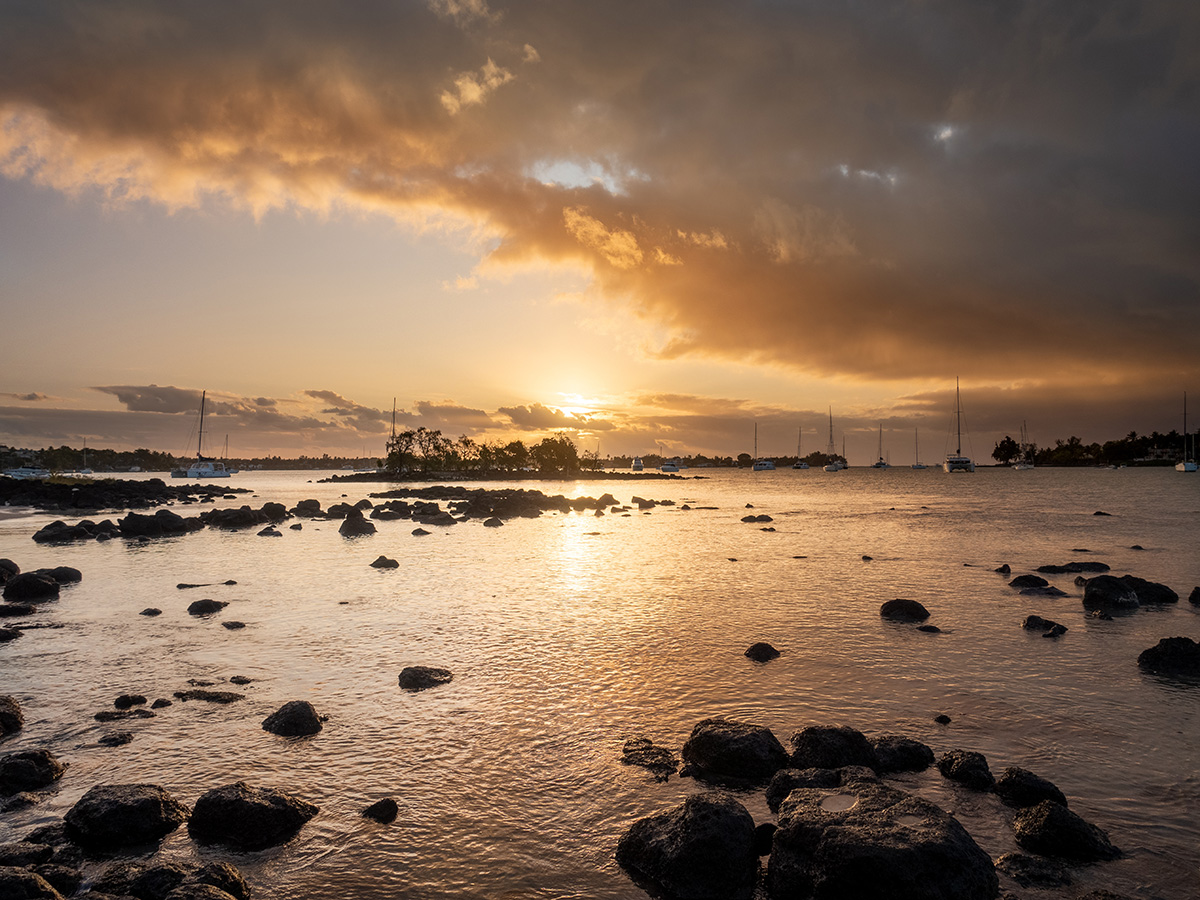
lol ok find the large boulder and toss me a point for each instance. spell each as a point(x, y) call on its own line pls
point(247, 818)
point(785, 781)
point(1108, 592)
point(62, 574)
point(831, 747)
point(968, 768)
point(420, 678)
point(761, 652)
point(356, 525)
point(1021, 788)
point(32, 587)
point(116, 815)
point(1149, 591)
point(8, 569)
point(294, 718)
point(1172, 656)
point(206, 607)
point(902, 610)
point(28, 770)
point(1053, 830)
point(11, 717)
point(867, 840)
point(701, 850)
point(1028, 581)
point(723, 749)
point(22, 884)
point(896, 753)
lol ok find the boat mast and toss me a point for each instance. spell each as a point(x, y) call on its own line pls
point(756, 440)
point(832, 449)
point(799, 435)
point(200, 436)
point(958, 417)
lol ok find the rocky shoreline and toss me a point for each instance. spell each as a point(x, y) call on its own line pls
point(94, 495)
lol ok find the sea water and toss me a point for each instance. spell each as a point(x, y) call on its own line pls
point(570, 633)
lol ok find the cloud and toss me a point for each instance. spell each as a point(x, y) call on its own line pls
point(152, 398)
point(877, 192)
point(539, 417)
point(31, 397)
point(451, 416)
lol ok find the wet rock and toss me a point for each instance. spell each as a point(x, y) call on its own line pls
point(24, 854)
point(831, 747)
point(1074, 567)
point(701, 850)
point(896, 753)
point(116, 815)
point(247, 818)
point(270, 531)
point(62, 574)
point(22, 884)
point(785, 781)
point(640, 751)
point(1149, 591)
point(356, 524)
point(1172, 656)
point(493, 522)
point(233, 625)
point(161, 703)
point(942, 719)
point(1020, 788)
point(1110, 593)
point(1101, 512)
point(383, 811)
point(1028, 581)
point(869, 840)
point(307, 509)
point(867, 558)
point(240, 679)
point(929, 629)
point(64, 879)
point(1046, 591)
point(761, 652)
point(151, 611)
point(1194, 596)
point(209, 696)
point(1005, 569)
point(296, 527)
point(223, 876)
point(32, 587)
point(12, 610)
point(206, 607)
point(1047, 627)
point(968, 768)
point(1053, 830)
point(140, 880)
point(1033, 871)
point(116, 739)
point(1055, 631)
point(724, 749)
point(116, 715)
point(1101, 894)
point(902, 610)
point(420, 678)
point(764, 837)
point(127, 701)
point(293, 719)
point(28, 770)
point(384, 562)
point(420, 532)
point(11, 717)
point(8, 569)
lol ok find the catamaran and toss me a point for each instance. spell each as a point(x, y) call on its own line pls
point(203, 466)
point(956, 462)
point(1024, 460)
point(917, 451)
point(880, 463)
point(1188, 463)
point(799, 463)
point(761, 465)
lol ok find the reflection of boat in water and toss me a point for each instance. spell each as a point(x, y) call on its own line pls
point(799, 463)
point(761, 465)
point(917, 464)
point(637, 465)
point(202, 466)
point(26, 473)
point(956, 462)
point(1188, 463)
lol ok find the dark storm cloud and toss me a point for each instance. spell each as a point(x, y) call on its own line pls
point(877, 190)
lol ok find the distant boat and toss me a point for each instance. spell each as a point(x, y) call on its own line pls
point(202, 466)
point(799, 463)
point(761, 465)
point(917, 452)
point(956, 462)
point(1188, 463)
point(26, 473)
point(831, 451)
point(637, 465)
point(880, 463)
point(669, 465)
point(1024, 462)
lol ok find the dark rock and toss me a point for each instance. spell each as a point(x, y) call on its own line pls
point(9, 634)
point(116, 815)
point(420, 532)
point(1037, 623)
point(247, 818)
point(8, 569)
point(1136, 547)
point(1101, 894)
point(308, 509)
point(867, 558)
point(33, 587)
point(384, 562)
point(117, 715)
point(126, 701)
point(723, 749)
point(210, 696)
point(223, 876)
point(1033, 871)
point(785, 781)
point(1109, 592)
point(61, 533)
point(1194, 596)
point(28, 770)
point(420, 678)
point(1047, 591)
point(206, 607)
point(641, 751)
point(61, 574)
point(1055, 631)
point(764, 837)
point(872, 841)
point(1172, 656)
point(1053, 830)
point(151, 611)
point(296, 527)
point(831, 747)
point(140, 880)
point(24, 854)
point(1150, 591)
point(64, 879)
point(1005, 569)
point(1028, 581)
point(189, 891)
point(701, 850)
point(12, 610)
point(967, 768)
point(270, 531)
point(942, 719)
point(22, 884)
point(294, 718)
point(383, 811)
point(161, 703)
point(11, 717)
point(493, 522)
point(240, 679)
point(929, 629)
point(1101, 512)
point(1021, 788)
point(761, 652)
point(356, 524)
point(895, 753)
point(1074, 567)
point(902, 610)
point(233, 625)
point(116, 739)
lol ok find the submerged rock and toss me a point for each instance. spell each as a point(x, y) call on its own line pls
point(382, 811)
point(1033, 871)
point(895, 753)
point(33, 587)
point(703, 849)
point(867, 840)
point(247, 818)
point(1172, 656)
point(761, 652)
point(28, 770)
point(356, 525)
point(209, 696)
point(1020, 788)
point(902, 610)
point(640, 751)
point(968, 768)
point(293, 719)
point(206, 607)
point(420, 678)
point(117, 815)
point(384, 562)
point(724, 749)
point(1028, 581)
point(1053, 830)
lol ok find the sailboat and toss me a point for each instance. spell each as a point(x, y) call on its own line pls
point(799, 463)
point(956, 462)
point(880, 463)
point(761, 465)
point(203, 466)
point(917, 451)
point(1188, 463)
point(831, 451)
point(1023, 462)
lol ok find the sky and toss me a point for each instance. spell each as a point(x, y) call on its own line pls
point(647, 226)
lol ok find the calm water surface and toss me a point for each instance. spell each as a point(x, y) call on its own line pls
point(569, 634)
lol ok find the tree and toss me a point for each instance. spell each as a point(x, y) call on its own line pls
point(555, 454)
point(1006, 451)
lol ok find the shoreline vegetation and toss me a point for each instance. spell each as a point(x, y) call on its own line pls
point(423, 454)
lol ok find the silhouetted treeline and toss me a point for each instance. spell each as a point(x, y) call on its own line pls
point(425, 450)
point(1152, 449)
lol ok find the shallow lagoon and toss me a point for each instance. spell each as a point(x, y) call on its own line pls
point(570, 633)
